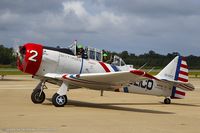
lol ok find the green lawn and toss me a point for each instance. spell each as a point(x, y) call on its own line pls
point(10, 71)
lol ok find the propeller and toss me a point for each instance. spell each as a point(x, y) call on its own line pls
point(16, 47)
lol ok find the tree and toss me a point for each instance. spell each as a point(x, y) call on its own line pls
point(6, 55)
point(124, 54)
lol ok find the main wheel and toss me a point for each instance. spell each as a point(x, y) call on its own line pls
point(167, 101)
point(37, 96)
point(58, 100)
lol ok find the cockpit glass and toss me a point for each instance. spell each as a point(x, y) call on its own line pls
point(92, 55)
point(98, 56)
point(118, 61)
point(73, 48)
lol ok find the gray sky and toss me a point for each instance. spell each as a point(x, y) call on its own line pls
point(137, 26)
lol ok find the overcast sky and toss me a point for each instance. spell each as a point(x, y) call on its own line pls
point(137, 26)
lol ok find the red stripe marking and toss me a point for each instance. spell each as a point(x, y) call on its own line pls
point(183, 73)
point(184, 66)
point(64, 76)
point(182, 79)
point(142, 73)
point(180, 92)
point(104, 66)
point(150, 76)
point(184, 58)
point(138, 72)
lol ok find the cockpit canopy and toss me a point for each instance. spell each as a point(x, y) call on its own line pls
point(92, 53)
point(117, 61)
point(96, 54)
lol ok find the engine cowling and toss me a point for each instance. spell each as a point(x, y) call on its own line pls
point(29, 58)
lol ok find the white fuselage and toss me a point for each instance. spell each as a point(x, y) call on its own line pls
point(57, 62)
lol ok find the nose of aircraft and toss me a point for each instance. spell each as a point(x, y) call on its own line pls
point(29, 58)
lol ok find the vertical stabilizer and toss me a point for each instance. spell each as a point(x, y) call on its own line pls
point(176, 70)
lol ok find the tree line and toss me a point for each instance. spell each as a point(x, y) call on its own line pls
point(7, 56)
point(153, 59)
point(150, 59)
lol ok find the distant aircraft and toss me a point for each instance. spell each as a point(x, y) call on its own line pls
point(69, 69)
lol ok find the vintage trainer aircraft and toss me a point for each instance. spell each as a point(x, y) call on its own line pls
point(65, 68)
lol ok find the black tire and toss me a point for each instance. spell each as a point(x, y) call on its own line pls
point(36, 98)
point(58, 100)
point(167, 101)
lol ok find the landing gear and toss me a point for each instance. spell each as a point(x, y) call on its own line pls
point(59, 100)
point(38, 96)
point(167, 101)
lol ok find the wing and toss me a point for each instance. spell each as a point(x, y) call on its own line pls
point(113, 80)
point(106, 81)
point(53, 79)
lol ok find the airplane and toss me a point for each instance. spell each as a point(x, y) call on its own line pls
point(65, 68)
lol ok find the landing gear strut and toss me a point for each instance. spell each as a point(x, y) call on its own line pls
point(38, 96)
point(167, 101)
point(59, 99)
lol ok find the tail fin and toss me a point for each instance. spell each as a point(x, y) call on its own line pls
point(176, 70)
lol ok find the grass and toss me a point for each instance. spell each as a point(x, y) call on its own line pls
point(10, 71)
point(195, 73)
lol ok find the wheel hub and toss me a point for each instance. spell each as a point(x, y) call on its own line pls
point(38, 97)
point(60, 100)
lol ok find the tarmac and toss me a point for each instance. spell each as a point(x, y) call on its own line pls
point(88, 112)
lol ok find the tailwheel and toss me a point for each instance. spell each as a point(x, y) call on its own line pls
point(37, 96)
point(58, 100)
point(167, 100)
